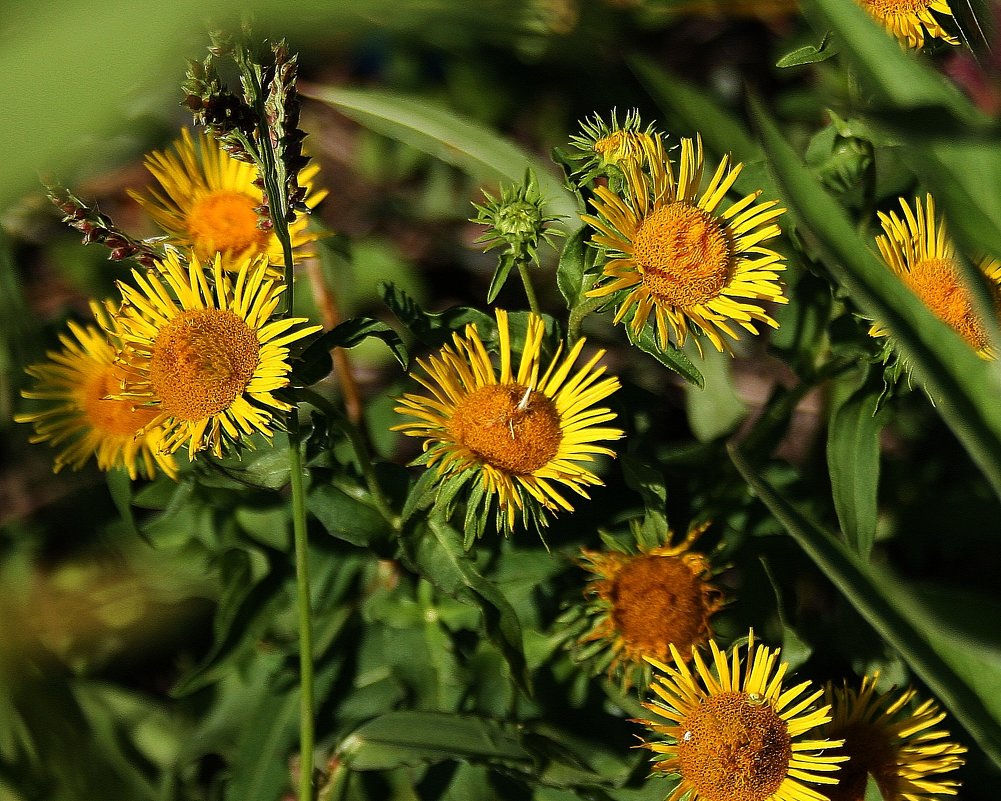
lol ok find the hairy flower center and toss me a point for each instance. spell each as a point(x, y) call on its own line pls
point(684, 255)
point(508, 426)
point(887, 8)
point(224, 221)
point(202, 361)
point(869, 752)
point(937, 283)
point(108, 415)
point(658, 600)
point(734, 748)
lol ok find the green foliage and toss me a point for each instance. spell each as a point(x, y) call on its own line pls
point(151, 644)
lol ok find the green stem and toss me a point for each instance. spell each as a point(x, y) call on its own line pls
point(278, 203)
point(526, 279)
point(577, 315)
point(305, 614)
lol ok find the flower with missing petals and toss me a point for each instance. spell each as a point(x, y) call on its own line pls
point(642, 600)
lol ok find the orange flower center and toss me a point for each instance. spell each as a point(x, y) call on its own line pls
point(869, 752)
point(659, 600)
point(735, 747)
point(886, 8)
point(224, 221)
point(684, 255)
point(202, 361)
point(119, 418)
point(937, 283)
point(508, 426)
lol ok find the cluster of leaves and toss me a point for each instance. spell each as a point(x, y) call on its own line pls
point(441, 670)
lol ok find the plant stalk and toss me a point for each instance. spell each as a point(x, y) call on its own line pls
point(526, 279)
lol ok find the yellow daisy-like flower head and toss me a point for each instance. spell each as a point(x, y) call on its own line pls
point(81, 418)
point(673, 253)
point(640, 602)
point(918, 249)
point(902, 750)
point(911, 20)
point(519, 436)
point(735, 734)
point(206, 357)
point(603, 147)
point(207, 201)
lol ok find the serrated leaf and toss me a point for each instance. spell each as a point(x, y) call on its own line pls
point(809, 54)
point(411, 738)
point(432, 329)
point(445, 135)
point(672, 358)
point(964, 386)
point(853, 462)
point(955, 672)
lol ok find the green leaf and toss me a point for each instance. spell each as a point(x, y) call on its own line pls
point(570, 271)
point(445, 135)
point(345, 516)
point(348, 334)
point(246, 609)
point(872, 791)
point(672, 358)
point(437, 552)
point(965, 387)
point(120, 487)
point(853, 461)
point(692, 110)
point(504, 266)
point(432, 330)
point(648, 481)
point(809, 54)
point(409, 738)
point(896, 76)
point(715, 408)
point(956, 673)
point(952, 147)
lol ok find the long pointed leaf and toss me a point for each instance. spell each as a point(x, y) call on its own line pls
point(962, 680)
point(449, 137)
point(964, 386)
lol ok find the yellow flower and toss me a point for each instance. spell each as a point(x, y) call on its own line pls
point(207, 200)
point(206, 357)
point(918, 249)
point(910, 20)
point(519, 436)
point(673, 254)
point(607, 147)
point(639, 603)
point(80, 418)
point(733, 737)
point(902, 750)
